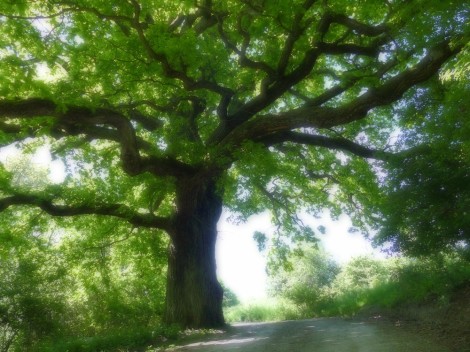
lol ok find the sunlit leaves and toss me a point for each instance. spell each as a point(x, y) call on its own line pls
point(363, 10)
point(459, 69)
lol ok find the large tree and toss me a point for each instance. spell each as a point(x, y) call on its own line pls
point(162, 112)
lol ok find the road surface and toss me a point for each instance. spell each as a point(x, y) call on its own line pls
point(314, 335)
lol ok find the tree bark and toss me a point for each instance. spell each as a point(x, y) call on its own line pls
point(194, 296)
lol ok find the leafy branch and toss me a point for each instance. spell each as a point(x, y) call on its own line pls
point(115, 210)
point(78, 120)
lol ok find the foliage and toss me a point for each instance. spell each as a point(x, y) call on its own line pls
point(32, 303)
point(427, 195)
point(307, 277)
point(48, 294)
point(181, 73)
point(361, 273)
point(366, 282)
point(56, 285)
point(114, 340)
point(80, 285)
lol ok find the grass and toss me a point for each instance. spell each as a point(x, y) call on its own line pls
point(266, 310)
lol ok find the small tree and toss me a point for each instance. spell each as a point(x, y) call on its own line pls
point(306, 278)
point(360, 274)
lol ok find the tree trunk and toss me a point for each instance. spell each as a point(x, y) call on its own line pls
point(194, 296)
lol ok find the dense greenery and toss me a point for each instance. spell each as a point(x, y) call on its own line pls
point(79, 287)
point(162, 112)
point(427, 196)
point(364, 282)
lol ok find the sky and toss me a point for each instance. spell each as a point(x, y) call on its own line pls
point(240, 265)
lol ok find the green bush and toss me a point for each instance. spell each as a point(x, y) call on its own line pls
point(306, 280)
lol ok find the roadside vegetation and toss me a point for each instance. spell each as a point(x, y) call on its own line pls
point(91, 294)
point(312, 285)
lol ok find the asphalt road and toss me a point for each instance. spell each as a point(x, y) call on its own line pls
point(316, 335)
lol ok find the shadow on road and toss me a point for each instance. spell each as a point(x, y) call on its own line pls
point(319, 335)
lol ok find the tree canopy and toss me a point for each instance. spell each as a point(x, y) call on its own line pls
point(162, 112)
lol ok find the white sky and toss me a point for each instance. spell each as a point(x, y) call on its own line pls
point(240, 265)
point(242, 268)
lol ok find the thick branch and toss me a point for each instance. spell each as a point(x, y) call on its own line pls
point(294, 34)
point(327, 117)
point(115, 210)
point(78, 120)
point(267, 97)
point(358, 27)
point(280, 85)
point(166, 167)
point(147, 122)
point(336, 143)
point(394, 88)
point(340, 49)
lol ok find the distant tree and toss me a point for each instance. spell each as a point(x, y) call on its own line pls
point(306, 277)
point(361, 273)
point(163, 112)
point(230, 298)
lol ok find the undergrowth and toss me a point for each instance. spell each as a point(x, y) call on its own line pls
point(396, 282)
point(123, 340)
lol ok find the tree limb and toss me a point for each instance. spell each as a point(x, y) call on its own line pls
point(115, 210)
point(326, 117)
point(294, 34)
point(276, 87)
point(80, 120)
point(340, 49)
point(359, 27)
point(337, 143)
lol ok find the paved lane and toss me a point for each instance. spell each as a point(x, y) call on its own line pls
point(318, 335)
